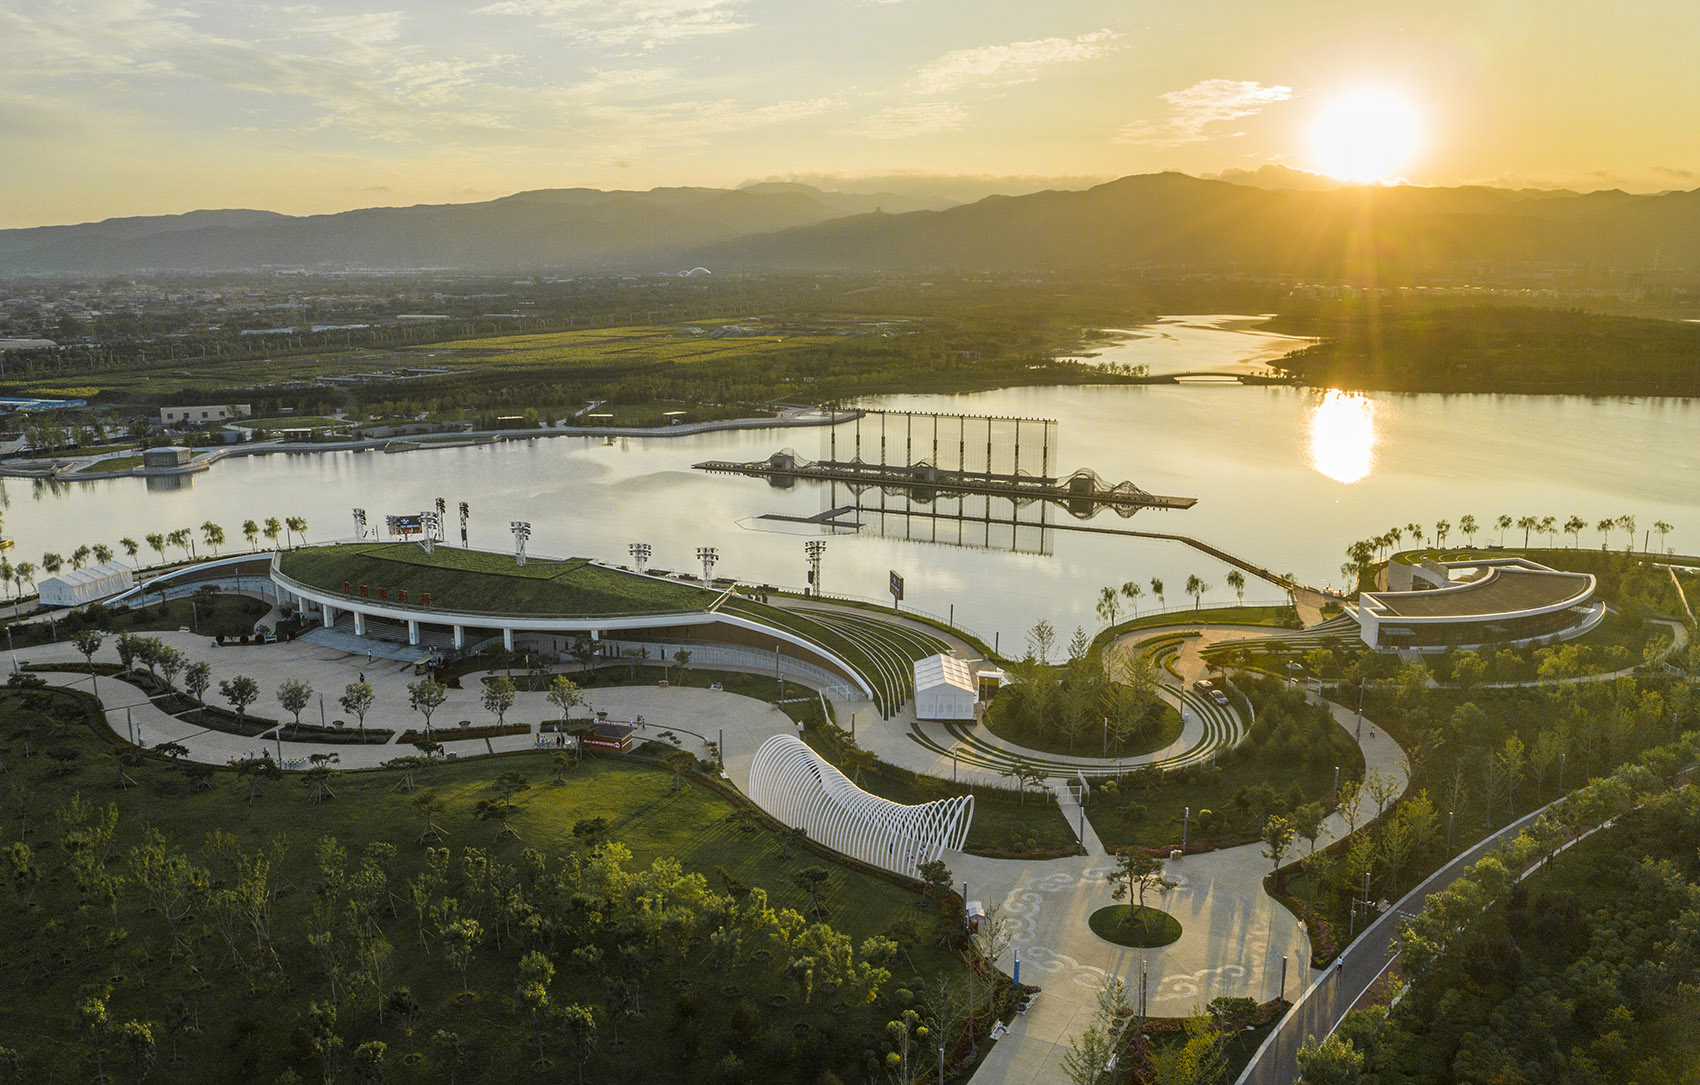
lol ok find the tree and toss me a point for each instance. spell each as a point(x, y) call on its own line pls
point(1663, 529)
point(196, 678)
point(937, 876)
point(130, 548)
point(812, 881)
point(157, 542)
point(426, 696)
point(293, 694)
point(80, 557)
point(102, 553)
point(87, 642)
point(460, 938)
point(272, 530)
point(682, 661)
point(52, 563)
point(1196, 587)
point(369, 1062)
point(298, 525)
point(213, 535)
point(1333, 1061)
point(1137, 873)
point(1604, 528)
point(251, 532)
point(1627, 523)
point(25, 570)
point(1087, 1060)
point(1132, 591)
point(241, 692)
point(257, 769)
point(1467, 524)
point(1278, 835)
point(1528, 524)
point(1503, 522)
point(499, 694)
point(1157, 590)
point(184, 540)
point(1109, 606)
point(356, 700)
point(536, 972)
point(1236, 581)
point(1442, 528)
point(448, 1052)
point(580, 1023)
point(1040, 638)
point(1307, 822)
point(1574, 528)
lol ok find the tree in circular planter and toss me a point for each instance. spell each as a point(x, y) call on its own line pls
point(1134, 924)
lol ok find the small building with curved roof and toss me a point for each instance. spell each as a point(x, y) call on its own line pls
point(1472, 602)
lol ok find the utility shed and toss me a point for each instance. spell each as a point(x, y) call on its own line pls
point(945, 689)
point(85, 585)
point(169, 456)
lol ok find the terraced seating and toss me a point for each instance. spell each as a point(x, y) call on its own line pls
point(1223, 730)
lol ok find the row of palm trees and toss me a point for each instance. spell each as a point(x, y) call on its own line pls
point(1365, 551)
point(1110, 597)
point(212, 536)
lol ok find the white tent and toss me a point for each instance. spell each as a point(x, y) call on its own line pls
point(81, 586)
point(945, 689)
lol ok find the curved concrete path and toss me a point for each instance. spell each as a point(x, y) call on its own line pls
point(1234, 936)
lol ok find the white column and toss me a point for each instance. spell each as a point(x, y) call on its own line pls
point(508, 639)
point(596, 634)
point(327, 614)
point(359, 624)
point(460, 636)
point(412, 631)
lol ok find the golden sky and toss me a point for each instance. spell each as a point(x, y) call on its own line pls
point(121, 107)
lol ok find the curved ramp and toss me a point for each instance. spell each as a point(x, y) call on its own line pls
point(801, 789)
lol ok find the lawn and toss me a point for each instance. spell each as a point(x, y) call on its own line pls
point(482, 582)
point(210, 615)
point(625, 937)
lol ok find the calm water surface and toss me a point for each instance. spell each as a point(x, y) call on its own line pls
point(1286, 477)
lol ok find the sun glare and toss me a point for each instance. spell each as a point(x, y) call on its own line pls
point(1342, 436)
point(1367, 135)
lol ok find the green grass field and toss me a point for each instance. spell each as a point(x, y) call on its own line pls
point(626, 937)
point(479, 581)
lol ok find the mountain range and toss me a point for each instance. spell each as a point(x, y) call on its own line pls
point(1389, 233)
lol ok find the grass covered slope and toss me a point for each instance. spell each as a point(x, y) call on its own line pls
point(479, 581)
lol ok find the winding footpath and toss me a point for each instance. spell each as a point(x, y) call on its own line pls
point(1236, 940)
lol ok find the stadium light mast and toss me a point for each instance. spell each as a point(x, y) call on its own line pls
point(708, 555)
point(465, 511)
point(360, 524)
point(640, 554)
point(522, 532)
point(431, 525)
point(814, 548)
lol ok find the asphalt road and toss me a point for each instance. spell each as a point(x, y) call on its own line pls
point(1319, 1010)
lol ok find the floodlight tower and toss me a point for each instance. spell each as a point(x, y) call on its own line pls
point(522, 532)
point(359, 523)
point(814, 548)
point(640, 554)
point(465, 511)
point(708, 555)
point(432, 525)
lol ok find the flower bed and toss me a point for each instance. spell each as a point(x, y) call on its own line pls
point(452, 734)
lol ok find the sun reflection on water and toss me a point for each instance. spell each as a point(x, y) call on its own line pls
point(1342, 436)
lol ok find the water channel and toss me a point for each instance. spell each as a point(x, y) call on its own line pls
point(1286, 477)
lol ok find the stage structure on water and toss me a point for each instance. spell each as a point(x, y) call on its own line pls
point(972, 480)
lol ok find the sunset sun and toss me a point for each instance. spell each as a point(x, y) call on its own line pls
point(1366, 135)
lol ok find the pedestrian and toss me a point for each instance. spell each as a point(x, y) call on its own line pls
point(363, 676)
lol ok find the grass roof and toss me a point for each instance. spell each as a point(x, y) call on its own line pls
point(481, 582)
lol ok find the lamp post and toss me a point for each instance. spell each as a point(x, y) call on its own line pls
point(1186, 823)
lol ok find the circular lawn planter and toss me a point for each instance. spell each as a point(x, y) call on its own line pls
point(1140, 928)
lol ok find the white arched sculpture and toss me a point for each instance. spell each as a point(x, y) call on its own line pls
point(795, 785)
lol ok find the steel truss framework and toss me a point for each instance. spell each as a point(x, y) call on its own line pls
point(795, 785)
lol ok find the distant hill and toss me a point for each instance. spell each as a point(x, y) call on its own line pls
point(1169, 219)
point(576, 228)
point(1175, 220)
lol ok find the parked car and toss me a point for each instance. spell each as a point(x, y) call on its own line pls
point(1219, 697)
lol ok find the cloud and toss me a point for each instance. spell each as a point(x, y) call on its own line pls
point(1677, 174)
point(1202, 104)
point(905, 121)
point(647, 24)
point(1017, 62)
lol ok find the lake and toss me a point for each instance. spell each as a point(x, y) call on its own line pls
point(1285, 477)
